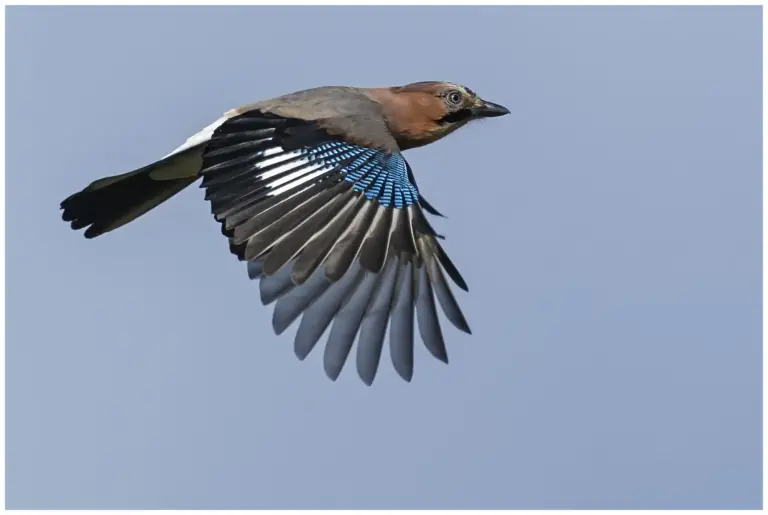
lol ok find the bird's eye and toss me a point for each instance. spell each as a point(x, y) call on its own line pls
point(454, 97)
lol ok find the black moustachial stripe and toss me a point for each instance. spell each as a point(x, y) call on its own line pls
point(456, 116)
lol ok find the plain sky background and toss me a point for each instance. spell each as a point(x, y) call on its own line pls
point(609, 229)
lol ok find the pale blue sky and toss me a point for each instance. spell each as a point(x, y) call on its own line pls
point(609, 230)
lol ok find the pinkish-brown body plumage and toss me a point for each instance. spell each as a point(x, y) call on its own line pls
point(313, 192)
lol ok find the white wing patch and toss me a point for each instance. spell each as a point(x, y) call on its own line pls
point(188, 164)
point(297, 178)
point(201, 137)
point(278, 159)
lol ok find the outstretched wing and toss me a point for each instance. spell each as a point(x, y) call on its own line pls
point(335, 232)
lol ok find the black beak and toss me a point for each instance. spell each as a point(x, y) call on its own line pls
point(489, 110)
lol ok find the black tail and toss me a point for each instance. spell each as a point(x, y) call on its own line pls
point(111, 202)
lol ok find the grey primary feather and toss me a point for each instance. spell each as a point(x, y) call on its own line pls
point(374, 324)
point(319, 315)
point(290, 306)
point(401, 321)
point(255, 268)
point(345, 326)
point(426, 314)
point(274, 286)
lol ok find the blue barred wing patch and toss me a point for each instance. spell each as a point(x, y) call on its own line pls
point(380, 175)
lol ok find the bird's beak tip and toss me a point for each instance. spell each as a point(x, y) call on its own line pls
point(490, 110)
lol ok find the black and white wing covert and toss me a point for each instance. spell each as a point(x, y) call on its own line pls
point(336, 234)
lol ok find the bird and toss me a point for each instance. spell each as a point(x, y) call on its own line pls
point(313, 193)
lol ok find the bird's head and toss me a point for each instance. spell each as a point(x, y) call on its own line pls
point(423, 112)
point(450, 103)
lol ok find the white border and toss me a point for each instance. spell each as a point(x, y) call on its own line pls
point(393, 2)
point(348, 2)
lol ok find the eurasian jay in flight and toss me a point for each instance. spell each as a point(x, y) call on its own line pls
point(314, 193)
